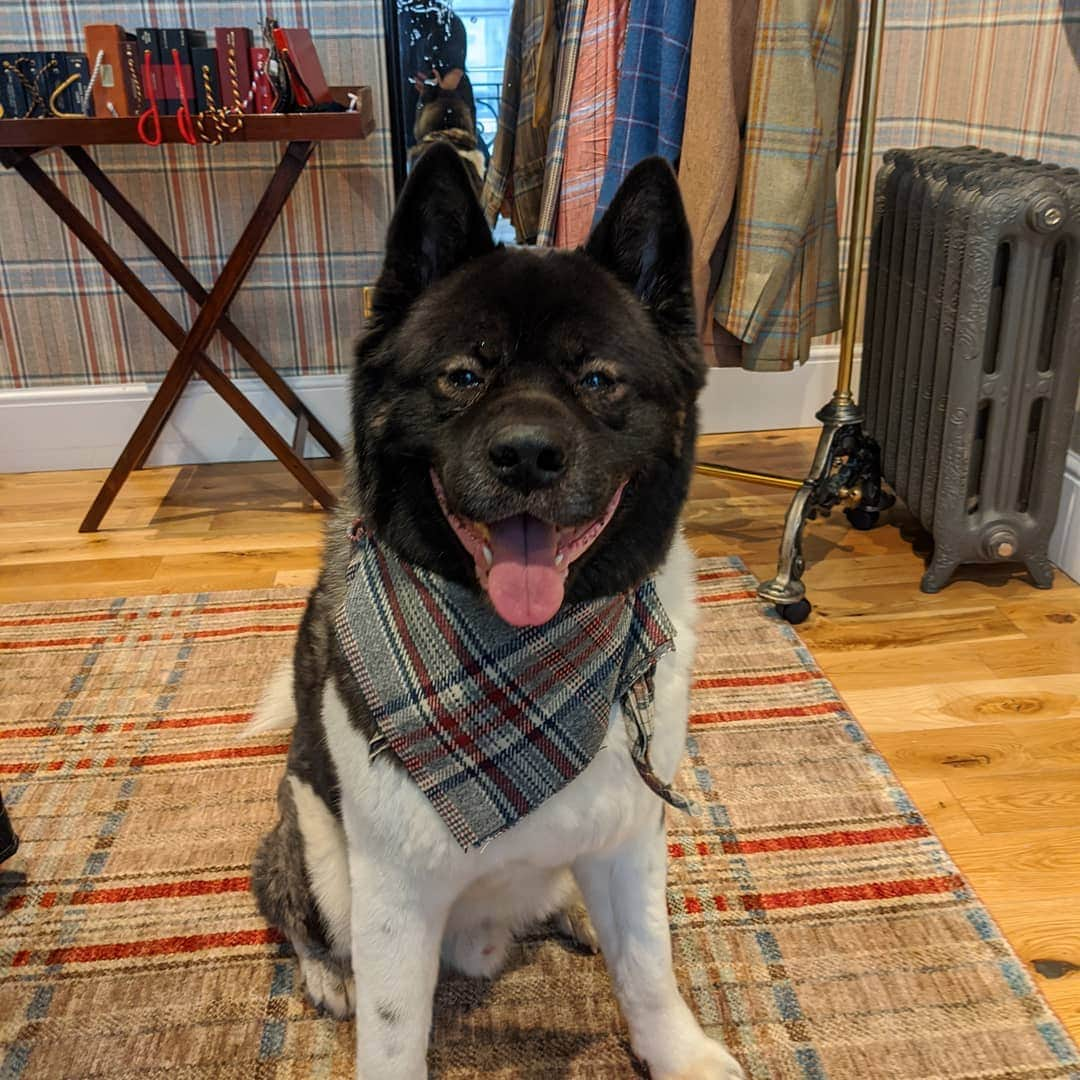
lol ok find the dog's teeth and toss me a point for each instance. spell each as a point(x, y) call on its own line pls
point(488, 557)
point(560, 558)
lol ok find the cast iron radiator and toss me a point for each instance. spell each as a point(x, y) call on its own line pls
point(972, 348)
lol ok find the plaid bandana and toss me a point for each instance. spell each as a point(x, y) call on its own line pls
point(491, 720)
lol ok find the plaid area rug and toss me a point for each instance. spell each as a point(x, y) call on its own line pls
point(819, 926)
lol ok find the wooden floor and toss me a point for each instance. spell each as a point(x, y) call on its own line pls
point(972, 695)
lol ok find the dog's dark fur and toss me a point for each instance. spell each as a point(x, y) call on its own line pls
point(534, 325)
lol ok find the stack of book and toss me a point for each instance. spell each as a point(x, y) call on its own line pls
point(232, 73)
point(52, 83)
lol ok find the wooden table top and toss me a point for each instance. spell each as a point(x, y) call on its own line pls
point(38, 132)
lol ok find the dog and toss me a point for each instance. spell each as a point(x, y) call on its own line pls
point(445, 113)
point(523, 439)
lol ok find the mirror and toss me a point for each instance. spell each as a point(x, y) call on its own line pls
point(445, 67)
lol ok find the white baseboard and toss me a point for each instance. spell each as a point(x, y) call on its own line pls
point(85, 427)
point(1065, 542)
point(737, 400)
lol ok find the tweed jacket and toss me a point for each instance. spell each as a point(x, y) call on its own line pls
point(780, 281)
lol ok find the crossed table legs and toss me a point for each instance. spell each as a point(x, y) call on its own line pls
point(211, 318)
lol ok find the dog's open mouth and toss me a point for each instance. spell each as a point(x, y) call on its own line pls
point(521, 561)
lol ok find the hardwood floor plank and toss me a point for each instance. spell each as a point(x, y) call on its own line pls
point(1018, 802)
point(1046, 936)
point(1038, 864)
point(943, 811)
point(981, 624)
point(50, 572)
point(1038, 747)
point(947, 704)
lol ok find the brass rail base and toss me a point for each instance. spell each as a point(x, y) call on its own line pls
point(846, 471)
point(748, 476)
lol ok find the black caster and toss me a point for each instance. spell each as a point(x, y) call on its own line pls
point(862, 519)
point(794, 613)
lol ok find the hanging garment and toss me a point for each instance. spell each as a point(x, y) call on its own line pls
point(651, 104)
point(716, 106)
point(591, 118)
point(515, 176)
point(780, 281)
point(569, 45)
point(515, 714)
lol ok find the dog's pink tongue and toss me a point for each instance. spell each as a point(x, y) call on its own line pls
point(525, 585)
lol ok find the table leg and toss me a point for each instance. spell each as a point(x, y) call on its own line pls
point(239, 263)
point(190, 356)
point(172, 262)
point(176, 378)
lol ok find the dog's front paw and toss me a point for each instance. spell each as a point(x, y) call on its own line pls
point(328, 988)
point(712, 1062)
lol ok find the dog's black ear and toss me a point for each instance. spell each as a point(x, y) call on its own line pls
point(437, 226)
point(644, 240)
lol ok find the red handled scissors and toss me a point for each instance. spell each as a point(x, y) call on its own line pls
point(149, 126)
point(183, 113)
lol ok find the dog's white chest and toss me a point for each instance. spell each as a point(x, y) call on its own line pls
point(382, 804)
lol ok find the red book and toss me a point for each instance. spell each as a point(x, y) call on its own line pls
point(305, 71)
point(233, 46)
point(264, 90)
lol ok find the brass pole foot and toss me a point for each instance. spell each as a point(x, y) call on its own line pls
point(846, 471)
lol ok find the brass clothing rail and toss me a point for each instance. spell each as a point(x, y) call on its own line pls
point(846, 467)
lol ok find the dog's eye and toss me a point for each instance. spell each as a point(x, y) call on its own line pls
point(463, 379)
point(597, 380)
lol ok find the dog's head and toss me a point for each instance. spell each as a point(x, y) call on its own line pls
point(524, 420)
point(442, 105)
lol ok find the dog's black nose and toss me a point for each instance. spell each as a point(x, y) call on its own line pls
point(527, 456)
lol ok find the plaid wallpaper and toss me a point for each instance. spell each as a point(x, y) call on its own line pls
point(1003, 74)
point(62, 320)
point(997, 72)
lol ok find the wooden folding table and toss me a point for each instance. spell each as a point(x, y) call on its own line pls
point(21, 140)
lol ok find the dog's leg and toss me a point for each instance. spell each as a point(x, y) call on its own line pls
point(301, 885)
point(397, 924)
point(625, 893)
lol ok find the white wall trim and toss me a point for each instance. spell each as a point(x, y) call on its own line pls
point(737, 400)
point(85, 427)
point(1065, 542)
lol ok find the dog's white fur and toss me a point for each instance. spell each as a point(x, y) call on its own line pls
point(410, 894)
